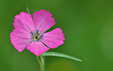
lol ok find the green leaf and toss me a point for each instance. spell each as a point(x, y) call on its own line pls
point(61, 55)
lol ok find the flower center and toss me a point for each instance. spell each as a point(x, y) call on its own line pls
point(36, 36)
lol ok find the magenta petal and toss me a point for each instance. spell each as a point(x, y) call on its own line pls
point(43, 20)
point(37, 48)
point(54, 38)
point(20, 40)
point(24, 22)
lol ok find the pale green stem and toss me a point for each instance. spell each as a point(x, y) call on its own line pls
point(41, 62)
point(28, 10)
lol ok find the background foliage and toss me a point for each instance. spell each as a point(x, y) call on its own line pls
point(88, 28)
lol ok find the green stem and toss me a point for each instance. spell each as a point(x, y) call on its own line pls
point(28, 10)
point(41, 62)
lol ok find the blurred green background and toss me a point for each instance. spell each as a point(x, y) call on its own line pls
point(88, 28)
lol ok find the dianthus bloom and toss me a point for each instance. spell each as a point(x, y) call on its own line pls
point(30, 33)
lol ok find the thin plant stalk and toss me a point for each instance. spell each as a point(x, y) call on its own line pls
point(41, 62)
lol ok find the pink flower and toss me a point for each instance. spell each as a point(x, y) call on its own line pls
point(30, 32)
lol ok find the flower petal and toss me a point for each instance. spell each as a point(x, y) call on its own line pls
point(24, 21)
point(20, 40)
point(54, 38)
point(43, 20)
point(37, 48)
